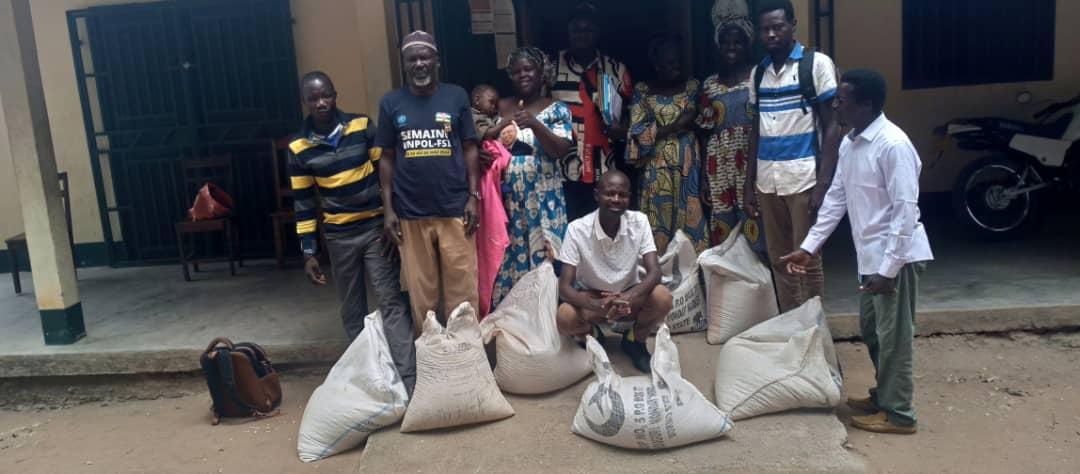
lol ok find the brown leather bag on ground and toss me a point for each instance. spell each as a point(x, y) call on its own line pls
point(241, 380)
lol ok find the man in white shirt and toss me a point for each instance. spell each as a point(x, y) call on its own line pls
point(877, 185)
point(600, 283)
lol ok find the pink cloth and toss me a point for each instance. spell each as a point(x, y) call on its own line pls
point(491, 237)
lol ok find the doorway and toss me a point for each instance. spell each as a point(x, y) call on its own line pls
point(624, 30)
point(468, 59)
point(165, 82)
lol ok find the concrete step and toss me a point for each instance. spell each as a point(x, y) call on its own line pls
point(72, 362)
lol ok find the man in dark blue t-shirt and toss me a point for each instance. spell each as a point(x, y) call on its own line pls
point(429, 174)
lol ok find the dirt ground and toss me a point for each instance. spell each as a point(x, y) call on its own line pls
point(1005, 403)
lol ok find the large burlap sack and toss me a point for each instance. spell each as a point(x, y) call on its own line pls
point(682, 275)
point(531, 357)
point(656, 411)
point(786, 362)
point(738, 288)
point(361, 394)
point(454, 384)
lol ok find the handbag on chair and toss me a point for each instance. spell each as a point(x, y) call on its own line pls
point(211, 202)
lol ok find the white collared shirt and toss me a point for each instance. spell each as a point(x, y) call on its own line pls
point(603, 263)
point(877, 185)
point(787, 137)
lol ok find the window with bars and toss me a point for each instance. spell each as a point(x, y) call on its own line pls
point(966, 42)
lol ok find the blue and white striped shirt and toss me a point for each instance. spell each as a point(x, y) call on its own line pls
point(786, 162)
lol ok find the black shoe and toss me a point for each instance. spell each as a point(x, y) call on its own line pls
point(596, 333)
point(638, 352)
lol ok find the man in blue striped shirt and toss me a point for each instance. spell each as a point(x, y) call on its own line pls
point(793, 149)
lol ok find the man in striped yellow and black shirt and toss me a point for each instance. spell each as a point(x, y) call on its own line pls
point(333, 167)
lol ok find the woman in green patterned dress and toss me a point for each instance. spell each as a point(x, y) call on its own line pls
point(664, 147)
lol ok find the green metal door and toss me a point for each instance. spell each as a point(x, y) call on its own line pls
point(166, 82)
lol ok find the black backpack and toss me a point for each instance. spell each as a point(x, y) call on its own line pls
point(806, 80)
point(241, 380)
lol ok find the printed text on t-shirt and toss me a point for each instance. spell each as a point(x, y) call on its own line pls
point(426, 143)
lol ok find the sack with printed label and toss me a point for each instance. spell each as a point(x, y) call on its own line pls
point(738, 288)
point(531, 357)
point(454, 384)
point(361, 394)
point(784, 363)
point(656, 411)
point(682, 275)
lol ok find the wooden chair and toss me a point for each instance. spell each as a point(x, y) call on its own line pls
point(283, 218)
point(283, 213)
point(18, 242)
point(196, 174)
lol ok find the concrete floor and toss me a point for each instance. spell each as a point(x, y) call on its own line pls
point(1040, 271)
point(154, 308)
point(147, 319)
point(149, 316)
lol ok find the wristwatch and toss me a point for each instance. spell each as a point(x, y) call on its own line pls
point(475, 194)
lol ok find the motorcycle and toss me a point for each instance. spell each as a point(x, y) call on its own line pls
point(998, 196)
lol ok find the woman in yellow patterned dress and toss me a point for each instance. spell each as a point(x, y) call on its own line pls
point(664, 147)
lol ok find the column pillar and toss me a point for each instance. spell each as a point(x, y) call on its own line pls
point(23, 100)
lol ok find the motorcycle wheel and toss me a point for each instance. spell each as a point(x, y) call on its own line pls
point(982, 203)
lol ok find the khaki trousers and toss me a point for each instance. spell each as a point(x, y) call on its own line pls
point(437, 255)
point(887, 323)
point(787, 220)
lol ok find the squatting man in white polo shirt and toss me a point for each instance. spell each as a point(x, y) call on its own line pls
point(600, 284)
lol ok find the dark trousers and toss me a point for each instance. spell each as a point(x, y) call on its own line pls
point(579, 199)
point(634, 173)
point(355, 255)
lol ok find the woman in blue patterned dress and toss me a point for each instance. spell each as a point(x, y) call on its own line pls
point(532, 193)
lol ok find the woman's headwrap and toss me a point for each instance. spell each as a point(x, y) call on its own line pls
point(728, 14)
